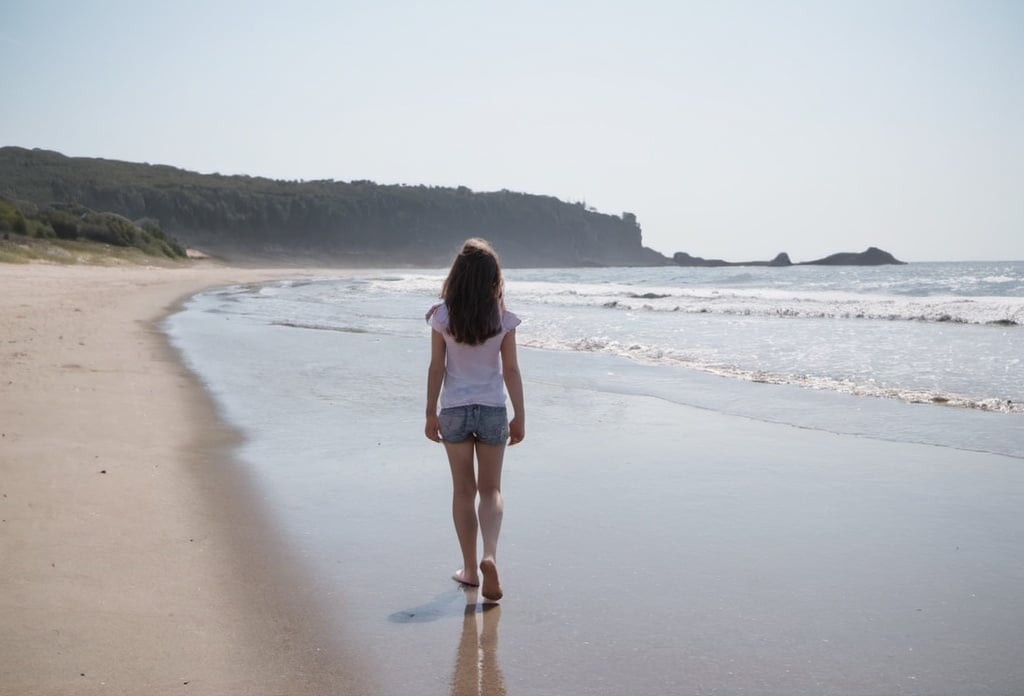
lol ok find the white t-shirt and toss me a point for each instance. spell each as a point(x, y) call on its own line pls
point(472, 374)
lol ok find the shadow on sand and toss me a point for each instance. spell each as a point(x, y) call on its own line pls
point(451, 603)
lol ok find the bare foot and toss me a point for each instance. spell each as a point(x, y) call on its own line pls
point(462, 577)
point(492, 586)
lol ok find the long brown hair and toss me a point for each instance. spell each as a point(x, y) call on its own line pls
point(472, 293)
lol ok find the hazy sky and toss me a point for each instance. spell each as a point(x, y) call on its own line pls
point(731, 129)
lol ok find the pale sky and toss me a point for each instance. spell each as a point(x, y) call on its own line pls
point(733, 130)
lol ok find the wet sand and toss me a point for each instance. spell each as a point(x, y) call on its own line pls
point(648, 547)
point(134, 558)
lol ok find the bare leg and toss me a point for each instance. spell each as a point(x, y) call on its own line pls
point(491, 512)
point(460, 459)
point(492, 506)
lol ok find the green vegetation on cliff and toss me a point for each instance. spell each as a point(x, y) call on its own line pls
point(75, 222)
point(351, 223)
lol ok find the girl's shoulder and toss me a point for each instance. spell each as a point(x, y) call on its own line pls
point(437, 318)
point(509, 321)
point(437, 315)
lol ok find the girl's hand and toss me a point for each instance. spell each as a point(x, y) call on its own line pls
point(433, 429)
point(516, 431)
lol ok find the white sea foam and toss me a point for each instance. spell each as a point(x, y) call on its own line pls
point(864, 386)
point(769, 302)
point(754, 300)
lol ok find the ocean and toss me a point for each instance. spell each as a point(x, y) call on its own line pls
point(939, 335)
point(803, 427)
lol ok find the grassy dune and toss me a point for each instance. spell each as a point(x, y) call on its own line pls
point(15, 248)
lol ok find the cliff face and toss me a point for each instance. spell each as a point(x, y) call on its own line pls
point(349, 223)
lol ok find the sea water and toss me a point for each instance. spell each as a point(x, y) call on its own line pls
point(945, 336)
point(326, 378)
point(843, 349)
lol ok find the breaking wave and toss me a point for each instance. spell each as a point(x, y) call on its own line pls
point(660, 355)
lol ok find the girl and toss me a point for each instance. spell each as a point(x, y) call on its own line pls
point(472, 351)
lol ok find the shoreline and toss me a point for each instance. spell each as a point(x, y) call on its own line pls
point(137, 555)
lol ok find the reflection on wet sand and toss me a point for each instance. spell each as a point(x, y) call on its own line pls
point(476, 663)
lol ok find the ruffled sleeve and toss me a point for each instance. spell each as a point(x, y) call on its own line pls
point(509, 321)
point(437, 317)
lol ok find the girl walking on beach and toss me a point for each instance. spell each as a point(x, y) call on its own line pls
point(472, 353)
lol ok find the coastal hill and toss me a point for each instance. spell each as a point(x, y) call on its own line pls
point(358, 223)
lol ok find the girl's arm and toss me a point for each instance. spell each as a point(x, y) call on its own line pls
point(435, 377)
point(514, 383)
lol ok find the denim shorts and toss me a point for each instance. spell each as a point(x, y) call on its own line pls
point(487, 424)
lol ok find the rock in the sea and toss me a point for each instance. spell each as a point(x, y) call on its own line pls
point(681, 258)
point(872, 257)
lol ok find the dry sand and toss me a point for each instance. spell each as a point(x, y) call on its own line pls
point(133, 560)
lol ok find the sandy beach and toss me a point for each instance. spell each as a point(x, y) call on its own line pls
point(648, 548)
point(133, 559)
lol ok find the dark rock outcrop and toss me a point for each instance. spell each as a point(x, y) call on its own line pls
point(873, 256)
point(681, 258)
